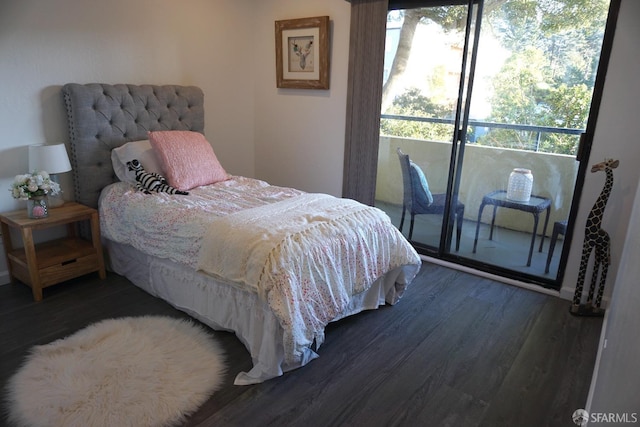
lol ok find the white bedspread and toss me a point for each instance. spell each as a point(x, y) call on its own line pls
point(310, 254)
point(307, 256)
point(172, 227)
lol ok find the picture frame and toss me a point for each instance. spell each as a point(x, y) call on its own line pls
point(302, 53)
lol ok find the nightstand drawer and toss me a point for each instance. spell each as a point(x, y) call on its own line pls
point(57, 261)
point(57, 273)
point(68, 270)
point(56, 252)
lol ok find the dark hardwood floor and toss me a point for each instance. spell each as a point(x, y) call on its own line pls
point(457, 350)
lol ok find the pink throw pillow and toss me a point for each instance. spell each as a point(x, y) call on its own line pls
point(187, 159)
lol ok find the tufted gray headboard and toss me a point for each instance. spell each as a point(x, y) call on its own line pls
point(102, 117)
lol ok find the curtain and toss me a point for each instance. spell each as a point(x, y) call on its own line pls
point(364, 96)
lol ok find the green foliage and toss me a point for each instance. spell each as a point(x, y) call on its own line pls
point(450, 18)
point(547, 80)
point(517, 88)
point(413, 103)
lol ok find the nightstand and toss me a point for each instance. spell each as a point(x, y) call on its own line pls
point(55, 261)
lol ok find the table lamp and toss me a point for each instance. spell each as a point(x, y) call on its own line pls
point(54, 160)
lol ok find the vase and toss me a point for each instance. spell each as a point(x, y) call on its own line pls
point(520, 185)
point(38, 207)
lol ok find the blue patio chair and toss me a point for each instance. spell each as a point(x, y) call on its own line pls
point(418, 199)
point(559, 227)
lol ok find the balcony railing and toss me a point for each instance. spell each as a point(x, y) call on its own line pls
point(538, 131)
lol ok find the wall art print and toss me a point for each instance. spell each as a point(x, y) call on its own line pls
point(302, 53)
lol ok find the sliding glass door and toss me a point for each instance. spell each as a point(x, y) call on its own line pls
point(483, 108)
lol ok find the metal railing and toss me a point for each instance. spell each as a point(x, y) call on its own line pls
point(538, 130)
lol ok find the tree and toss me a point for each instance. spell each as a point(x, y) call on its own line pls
point(547, 80)
point(451, 18)
point(413, 103)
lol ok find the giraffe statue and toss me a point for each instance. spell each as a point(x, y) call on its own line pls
point(595, 238)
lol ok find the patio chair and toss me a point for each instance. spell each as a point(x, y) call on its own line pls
point(418, 200)
point(559, 227)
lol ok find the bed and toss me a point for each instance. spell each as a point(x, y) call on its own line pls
point(274, 265)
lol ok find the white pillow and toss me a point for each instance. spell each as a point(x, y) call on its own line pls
point(140, 150)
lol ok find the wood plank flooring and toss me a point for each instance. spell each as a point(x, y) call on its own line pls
point(457, 350)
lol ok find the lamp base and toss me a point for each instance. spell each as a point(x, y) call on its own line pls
point(55, 201)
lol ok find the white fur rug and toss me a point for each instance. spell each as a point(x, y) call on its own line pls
point(134, 371)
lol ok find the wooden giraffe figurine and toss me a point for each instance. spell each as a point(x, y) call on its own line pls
point(595, 238)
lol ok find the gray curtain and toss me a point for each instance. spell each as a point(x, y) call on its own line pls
point(364, 95)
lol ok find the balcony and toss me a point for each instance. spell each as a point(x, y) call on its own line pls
point(485, 169)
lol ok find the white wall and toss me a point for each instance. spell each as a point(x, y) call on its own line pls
point(616, 385)
point(616, 136)
point(47, 43)
point(227, 47)
point(299, 133)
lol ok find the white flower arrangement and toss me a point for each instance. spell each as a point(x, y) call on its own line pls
point(37, 183)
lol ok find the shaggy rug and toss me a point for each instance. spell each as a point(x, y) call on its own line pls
point(134, 371)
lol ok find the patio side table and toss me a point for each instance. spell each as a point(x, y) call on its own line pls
point(535, 205)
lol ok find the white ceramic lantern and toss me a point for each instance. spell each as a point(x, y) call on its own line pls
point(520, 185)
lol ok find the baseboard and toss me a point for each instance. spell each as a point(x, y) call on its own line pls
point(4, 278)
point(497, 278)
point(596, 369)
point(567, 293)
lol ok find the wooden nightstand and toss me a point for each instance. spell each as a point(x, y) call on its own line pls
point(55, 261)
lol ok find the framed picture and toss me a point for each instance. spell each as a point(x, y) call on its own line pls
point(302, 53)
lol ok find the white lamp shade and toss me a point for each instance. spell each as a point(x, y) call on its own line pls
point(50, 158)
